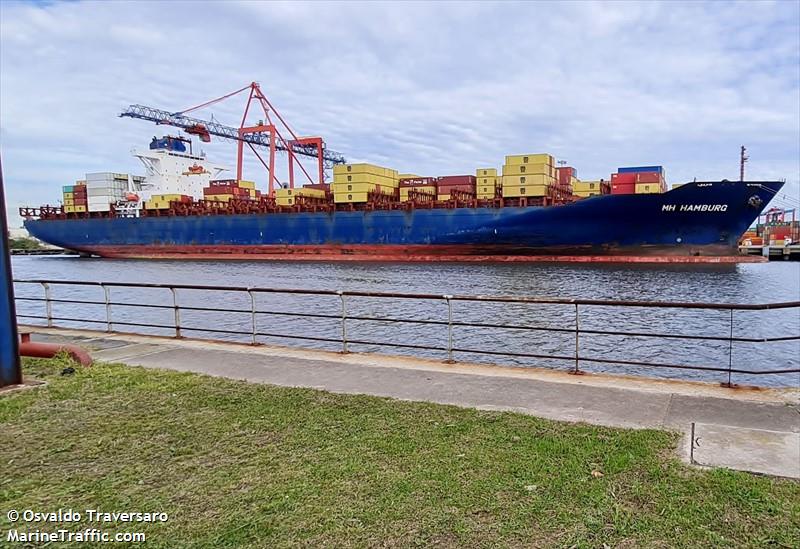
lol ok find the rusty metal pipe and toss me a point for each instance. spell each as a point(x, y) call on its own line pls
point(49, 350)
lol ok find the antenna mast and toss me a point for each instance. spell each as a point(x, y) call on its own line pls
point(742, 159)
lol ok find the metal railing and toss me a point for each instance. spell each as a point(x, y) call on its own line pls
point(342, 317)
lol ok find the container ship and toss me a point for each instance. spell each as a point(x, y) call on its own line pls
point(529, 209)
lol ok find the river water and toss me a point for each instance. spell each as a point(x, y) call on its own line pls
point(744, 283)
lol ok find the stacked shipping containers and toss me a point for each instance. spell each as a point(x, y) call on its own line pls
point(585, 189)
point(528, 175)
point(353, 183)
point(418, 188)
point(638, 180)
point(309, 194)
point(74, 197)
point(162, 201)
point(566, 178)
point(447, 184)
point(222, 190)
point(488, 187)
point(106, 188)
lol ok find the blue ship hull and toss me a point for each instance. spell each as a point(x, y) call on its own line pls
point(694, 219)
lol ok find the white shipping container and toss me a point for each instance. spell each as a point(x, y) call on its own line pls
point(99, 191)
point(98, 207)
point(99, 176)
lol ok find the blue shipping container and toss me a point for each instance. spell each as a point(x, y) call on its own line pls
point(638, 169)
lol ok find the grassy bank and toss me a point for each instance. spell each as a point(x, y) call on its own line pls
point(236, 464)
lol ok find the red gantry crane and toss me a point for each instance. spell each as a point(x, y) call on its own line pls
point(266, 133)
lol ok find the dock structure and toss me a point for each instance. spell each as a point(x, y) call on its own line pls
point(789, 252)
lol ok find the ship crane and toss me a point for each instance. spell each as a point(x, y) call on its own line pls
point(267, 133)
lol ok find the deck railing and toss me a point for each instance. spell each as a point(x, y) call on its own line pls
point(342, 317)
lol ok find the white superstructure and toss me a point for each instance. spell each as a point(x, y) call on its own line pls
point(170, 170)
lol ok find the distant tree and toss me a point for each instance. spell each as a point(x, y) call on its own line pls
point(24, 244)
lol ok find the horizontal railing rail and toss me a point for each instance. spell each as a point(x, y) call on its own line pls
point(342, 317)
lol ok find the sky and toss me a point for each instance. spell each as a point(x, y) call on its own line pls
point(427, 88)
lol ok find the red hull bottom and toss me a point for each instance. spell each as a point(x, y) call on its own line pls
point(384, 253)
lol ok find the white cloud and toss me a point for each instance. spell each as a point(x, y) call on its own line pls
point(430, 88)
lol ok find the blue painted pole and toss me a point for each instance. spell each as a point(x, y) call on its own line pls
point(10, 372)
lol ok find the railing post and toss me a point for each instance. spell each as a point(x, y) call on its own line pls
point(48, 305)
point(730, 355)
point(177, 312)
point(253, 315)
point(344, 322)
point(107, 295)
point(447, 298)
point(576, 371)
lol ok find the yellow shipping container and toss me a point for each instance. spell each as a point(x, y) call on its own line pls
point(166, 197)
point(427, 189)
point(408, 176)
point(518, 169)
point(586, 186)
point(156, 205)
point(442, 197)
point(490, 180)
point(341, 169)
point(486, 172)
point(486, 196)
point(676, 185)
point(300, 191)
point(284, 200)
point(491, 189)
point(346, 198)
point(539, 158)
point(365, 178)
point(517, 191)
point(79, 209)
point(648, 188)
point(219, 197)
point(340, 188)
point(69, 196)
point(247, 184)
point(535, 179)
point(586, 194)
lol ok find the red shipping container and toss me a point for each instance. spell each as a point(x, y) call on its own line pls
point(447, 189)
point(418, 182)
point(648, 177)
point(779, 233)
point(623, 178)
point(320, 186)
point(457, 180)
point(623, 189)
point(565, 174)
point(80, 201)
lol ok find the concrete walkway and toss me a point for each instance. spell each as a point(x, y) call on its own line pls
point(754, 430)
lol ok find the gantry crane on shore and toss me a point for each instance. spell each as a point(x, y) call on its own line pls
point(267, 133)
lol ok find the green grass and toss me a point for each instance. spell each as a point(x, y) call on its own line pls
point(252, 465)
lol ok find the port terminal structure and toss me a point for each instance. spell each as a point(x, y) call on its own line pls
point(274, 134)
